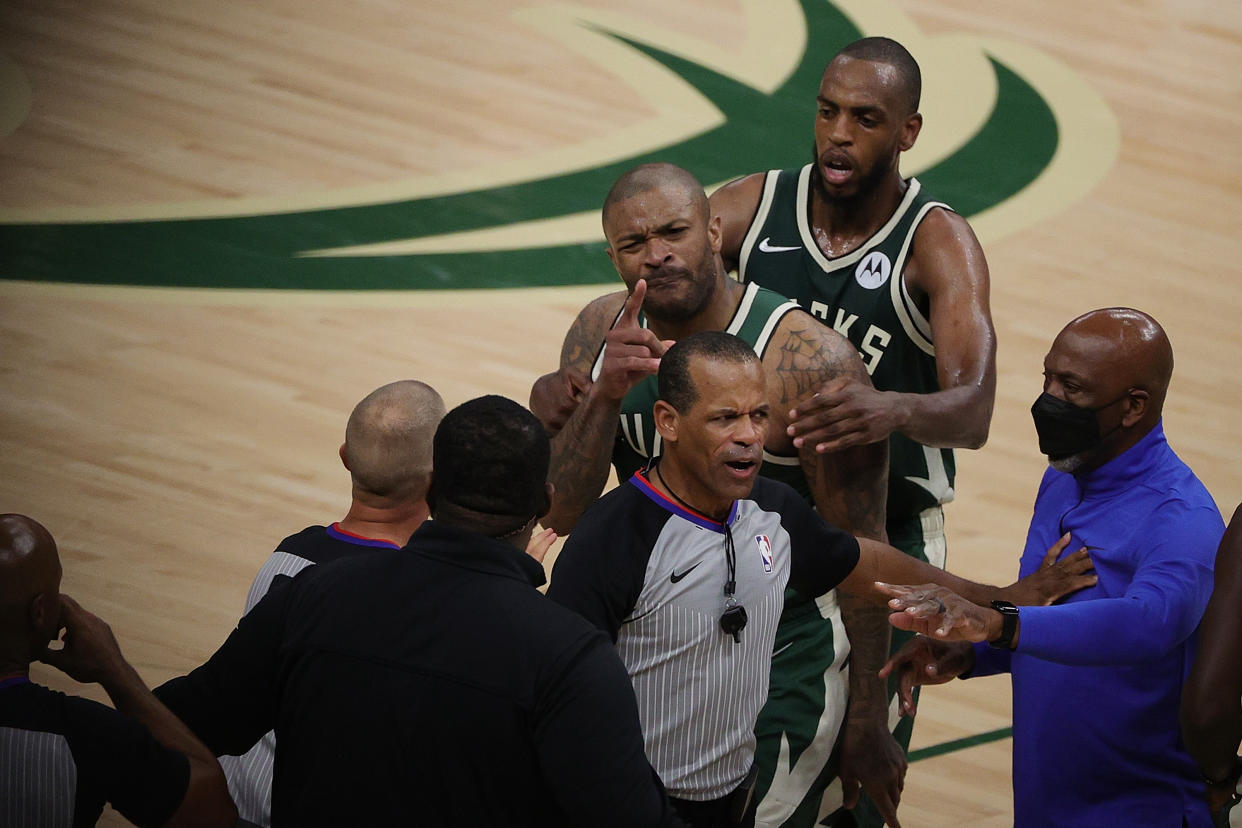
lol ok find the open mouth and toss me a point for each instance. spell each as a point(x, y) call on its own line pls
point(837, 170)
point(742, 468)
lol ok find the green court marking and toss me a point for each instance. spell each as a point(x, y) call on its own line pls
point(932, 751)
point(761, 131)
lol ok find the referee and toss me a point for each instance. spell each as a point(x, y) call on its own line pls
point(685, 567)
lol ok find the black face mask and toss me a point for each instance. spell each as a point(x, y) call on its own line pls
point(1066, 429)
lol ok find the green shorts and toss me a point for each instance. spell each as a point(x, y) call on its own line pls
point(797, 730)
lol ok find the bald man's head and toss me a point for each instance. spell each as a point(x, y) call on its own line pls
point(648, 177)
point(1108, 372)
point(1132, 348)
point(29, 588)
point(388, 440)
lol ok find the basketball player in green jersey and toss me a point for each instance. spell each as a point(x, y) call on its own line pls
point(898, 273)
point(665, 246)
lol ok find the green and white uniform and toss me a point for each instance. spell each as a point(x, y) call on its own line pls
point(863, 297)
point(809, 677)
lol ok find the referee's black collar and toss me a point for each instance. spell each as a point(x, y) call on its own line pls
point(471, 550)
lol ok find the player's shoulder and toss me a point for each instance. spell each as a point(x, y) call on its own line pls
point(602, 311)
point(740, 193)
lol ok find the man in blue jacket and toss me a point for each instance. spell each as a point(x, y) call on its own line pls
point(1097, 677)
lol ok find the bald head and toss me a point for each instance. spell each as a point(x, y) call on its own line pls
point(29, 563)
point(1130, 349)
point(29, 590)
point(667, 177)
point(388, 440)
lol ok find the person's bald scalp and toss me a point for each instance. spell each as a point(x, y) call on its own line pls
point(388, 439)
point(1133, 344)
point(29, 563)
point(648, 177)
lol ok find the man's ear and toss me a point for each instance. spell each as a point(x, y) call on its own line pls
point(1136, 407)
point(45, 614)
point(910, 131)
point(715, 233)
point(666, 421)
point(344, 457)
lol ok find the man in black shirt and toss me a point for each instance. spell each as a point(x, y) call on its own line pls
point(434, 683)
point(61, 757)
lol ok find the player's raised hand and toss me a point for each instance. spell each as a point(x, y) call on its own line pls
point(556, 396)
point(844, 412)
point(631, 352)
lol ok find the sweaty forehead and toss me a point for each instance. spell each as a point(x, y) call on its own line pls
point(853, 81)
point(1087, 356)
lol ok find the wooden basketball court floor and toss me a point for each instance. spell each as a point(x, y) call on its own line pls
point(169, 437)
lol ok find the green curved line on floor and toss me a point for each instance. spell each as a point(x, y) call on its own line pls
point(761, 131)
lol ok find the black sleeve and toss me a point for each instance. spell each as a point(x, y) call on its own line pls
point(821, 555)
point(120, 761)
point(590, 745)
point(230, 701)
point(599, 573)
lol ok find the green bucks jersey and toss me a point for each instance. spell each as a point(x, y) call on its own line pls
point(754, 321)
point(863, 297)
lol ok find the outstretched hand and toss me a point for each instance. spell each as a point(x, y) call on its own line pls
point(631, 352)
point(940, 613)
point(90, 652)
point(925, 661)
point(1054, 579)
point(842, 413)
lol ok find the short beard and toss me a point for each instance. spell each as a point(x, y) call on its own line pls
point(868, 183)
point(696, 304)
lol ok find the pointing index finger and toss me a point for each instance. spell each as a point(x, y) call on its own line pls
point(633, 304)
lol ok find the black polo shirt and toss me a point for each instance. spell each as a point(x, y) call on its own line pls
point(430, 685)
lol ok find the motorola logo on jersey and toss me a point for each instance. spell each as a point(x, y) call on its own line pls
point(873, 270)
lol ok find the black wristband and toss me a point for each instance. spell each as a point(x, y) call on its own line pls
point(1009, 625)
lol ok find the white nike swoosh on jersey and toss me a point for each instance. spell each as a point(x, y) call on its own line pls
point(764, 247)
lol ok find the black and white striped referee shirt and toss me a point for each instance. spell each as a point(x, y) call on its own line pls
point(651, 574)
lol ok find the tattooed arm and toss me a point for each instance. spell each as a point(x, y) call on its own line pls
point(849, 488)
point(582, 449)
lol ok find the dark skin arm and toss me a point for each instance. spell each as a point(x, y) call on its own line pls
point(1211, 713)
point(582, 448)
point(736, 203)
point(849, 488)
point(91, 654)
point(947, 274)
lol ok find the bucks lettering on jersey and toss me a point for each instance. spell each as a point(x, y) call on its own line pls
point(863, 297)
point(754, 321)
